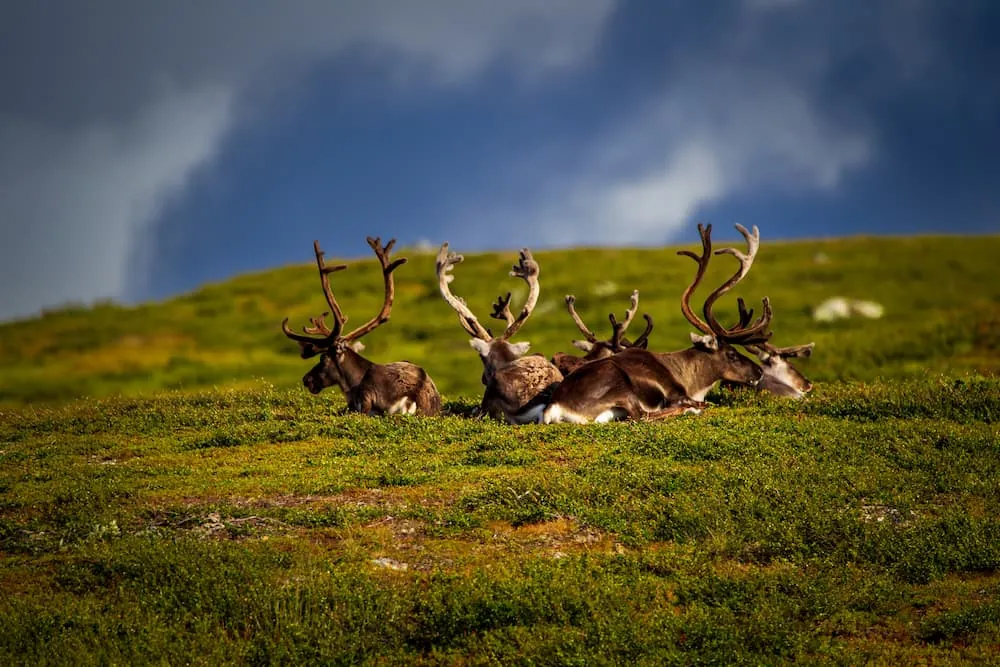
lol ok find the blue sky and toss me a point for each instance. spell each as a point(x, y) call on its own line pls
point(147, 147)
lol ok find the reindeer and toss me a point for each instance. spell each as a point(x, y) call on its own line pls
point(370, 388)
point(517, 384)
point(639, 384)
point(779, 376)
point(599, 349)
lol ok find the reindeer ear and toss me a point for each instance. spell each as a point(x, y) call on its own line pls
point(705, 342)
point(520, 349)
point(802, 351)
point(308, 350)
point(357, 345)
point(584, 345)
point(480, 346)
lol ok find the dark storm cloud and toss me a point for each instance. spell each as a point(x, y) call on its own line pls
point(110, 113)
point(780, 97)
point(109, 108)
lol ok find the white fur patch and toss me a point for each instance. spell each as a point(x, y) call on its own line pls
point(700, 395)
point(480, 346)
point(781, 372)
point(710, 342)
point(555, 414)
point(611, 415)
point(404, 406)
point(520, 349)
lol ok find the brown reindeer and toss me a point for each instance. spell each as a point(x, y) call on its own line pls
point(780, 377)
point(599, 349)
point(517, 383)
point(639, 384)
point(373, 389)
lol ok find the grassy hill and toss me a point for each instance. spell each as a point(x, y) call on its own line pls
point(244, 521)
point(941, 298)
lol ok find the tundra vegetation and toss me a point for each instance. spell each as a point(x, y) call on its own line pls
point(172, 495)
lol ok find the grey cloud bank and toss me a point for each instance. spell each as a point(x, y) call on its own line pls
point(112, 112)
point(109, 108)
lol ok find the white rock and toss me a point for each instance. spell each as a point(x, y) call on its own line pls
point(389, 564)
point(834, 308)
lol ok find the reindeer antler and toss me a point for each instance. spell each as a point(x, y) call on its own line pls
point(783, 352)
point(501, 310)
point(382, 253)
point(309, 343)
point(617, 341)
point(745, 317)
point(705, 231)
point(318, 326)
point(742, 333)
point(527, 270)
point(618, 329)
point(571, 307)
point(312, 345)
point(446, 261)
point(644, 336)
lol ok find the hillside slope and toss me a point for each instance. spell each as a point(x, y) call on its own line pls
point(941, 299)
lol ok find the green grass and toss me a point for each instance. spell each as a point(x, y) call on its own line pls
point(242, 520)
point(256, 526)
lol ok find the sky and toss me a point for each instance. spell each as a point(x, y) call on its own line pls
point(148, 147)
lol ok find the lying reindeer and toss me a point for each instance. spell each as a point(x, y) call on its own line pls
point(517, 384)
point(779, 376)
point(373, 389)
point(599, 349)
point(638, 384)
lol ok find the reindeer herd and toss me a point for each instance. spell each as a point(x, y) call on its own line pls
point(617, 379)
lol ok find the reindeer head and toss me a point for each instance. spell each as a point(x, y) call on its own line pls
point(779, 376)
point(329, 370)
point(716, 340)
point(338, 351)
point(493, 351)
point(600, 349)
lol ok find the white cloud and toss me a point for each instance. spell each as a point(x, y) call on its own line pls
point(710, 135)
point(643, 208)
point(111, 115)
point(749, 104)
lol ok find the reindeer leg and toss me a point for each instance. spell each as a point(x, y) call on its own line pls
point(665, 413)
point(696, 406)
point(682, 406)
point(483, 411)
point(428, 402)
point(360, 400)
